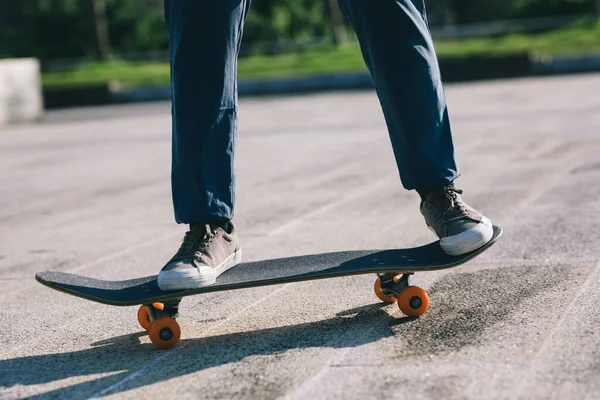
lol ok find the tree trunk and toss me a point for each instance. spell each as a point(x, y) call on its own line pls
point(102, 37)
point(340, 35)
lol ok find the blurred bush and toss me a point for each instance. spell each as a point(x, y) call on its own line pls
point(101, 29)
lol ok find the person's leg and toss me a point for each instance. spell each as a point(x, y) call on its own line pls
point(204, 42)
point(400, 56)
point(399, 53)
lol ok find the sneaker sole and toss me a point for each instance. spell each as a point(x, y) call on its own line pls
point(469, 240)
point(196, 278)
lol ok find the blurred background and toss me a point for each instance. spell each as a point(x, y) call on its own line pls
point(103, 51)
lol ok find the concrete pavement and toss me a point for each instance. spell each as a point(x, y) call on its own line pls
point(88, 192)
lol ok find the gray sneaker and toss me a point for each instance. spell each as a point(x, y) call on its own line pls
point(459, 227)
point(206, 252)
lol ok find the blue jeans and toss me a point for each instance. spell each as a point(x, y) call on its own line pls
point(204, 40)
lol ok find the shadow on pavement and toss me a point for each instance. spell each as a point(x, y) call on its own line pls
point(125, 353)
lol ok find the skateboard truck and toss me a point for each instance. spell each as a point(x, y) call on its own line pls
point(395, 287)
point(172, 307)
point(393, 284)
point(159, 320)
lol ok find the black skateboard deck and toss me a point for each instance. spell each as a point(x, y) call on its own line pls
point(159, 310)
point(145, 290)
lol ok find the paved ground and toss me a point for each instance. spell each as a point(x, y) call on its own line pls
point(88, 192)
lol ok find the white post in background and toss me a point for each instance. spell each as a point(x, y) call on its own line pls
point(20, 91)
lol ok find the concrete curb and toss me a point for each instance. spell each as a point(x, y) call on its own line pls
point(567, 65)
point(20, 91)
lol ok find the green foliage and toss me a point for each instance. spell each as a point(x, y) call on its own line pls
point(136, 25)
point(47, 28)
point(273, 21)
point(539, 8)
point(467, 11)
point(51, 29)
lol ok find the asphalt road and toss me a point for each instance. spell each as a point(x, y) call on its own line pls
point(88, 192)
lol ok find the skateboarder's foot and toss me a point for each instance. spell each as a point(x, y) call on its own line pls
point(206, 252)
point(461, 228)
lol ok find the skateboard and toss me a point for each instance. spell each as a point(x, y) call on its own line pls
point(158, 309)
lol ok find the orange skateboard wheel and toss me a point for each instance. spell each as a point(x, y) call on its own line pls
point(143, 317)
point(413, 301)
point(380, 295)
point(164, 332)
